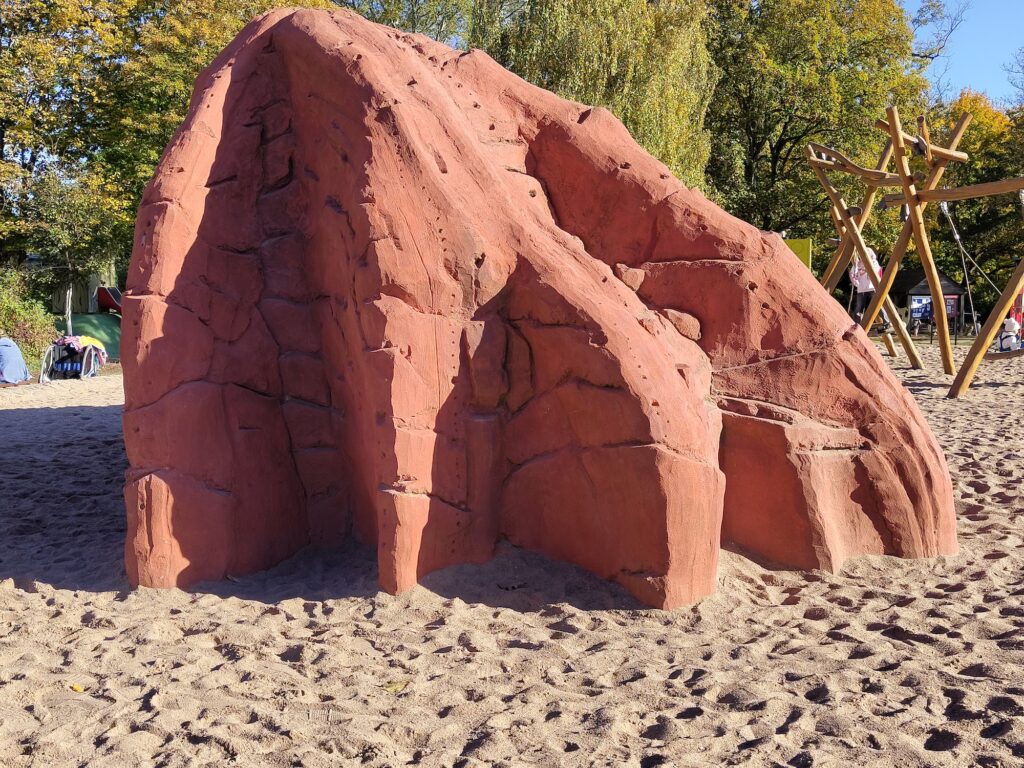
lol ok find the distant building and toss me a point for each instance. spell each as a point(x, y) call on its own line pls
point(910, 291)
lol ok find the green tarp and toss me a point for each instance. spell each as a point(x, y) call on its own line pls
point(105, 327)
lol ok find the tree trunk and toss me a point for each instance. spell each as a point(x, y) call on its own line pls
point(67, 311)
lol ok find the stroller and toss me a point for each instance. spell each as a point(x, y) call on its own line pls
point(72, 357)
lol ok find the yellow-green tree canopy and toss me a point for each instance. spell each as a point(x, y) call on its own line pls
point(647, 62)
point(95, 88)
point(52, 56)
point(796, 71)
point(992, 228)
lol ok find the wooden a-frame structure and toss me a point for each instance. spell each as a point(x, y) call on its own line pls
point(849, 222)
point(916, 192)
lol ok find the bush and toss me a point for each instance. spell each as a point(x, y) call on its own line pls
point(24, 320)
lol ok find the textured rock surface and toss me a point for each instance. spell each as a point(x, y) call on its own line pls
point(385, 289)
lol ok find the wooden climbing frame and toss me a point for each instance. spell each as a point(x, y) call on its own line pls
point(850, 223)
point(915, 192)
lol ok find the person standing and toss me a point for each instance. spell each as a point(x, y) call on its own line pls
point(864, 287)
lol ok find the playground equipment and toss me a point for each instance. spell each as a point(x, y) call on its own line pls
point(849, 223)
point(329, 384)
point(109, 299)
point(916, 192)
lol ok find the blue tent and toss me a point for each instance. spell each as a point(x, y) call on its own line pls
point(12, 364)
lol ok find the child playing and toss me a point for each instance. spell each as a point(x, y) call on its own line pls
point(1009, 337)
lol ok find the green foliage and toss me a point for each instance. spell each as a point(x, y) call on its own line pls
point(73, 227)
point(144, 97)
point(647, 62)
point(796, 71)
point(22, 319)
point(53, 55)
point(444, 20)
point(992, 228)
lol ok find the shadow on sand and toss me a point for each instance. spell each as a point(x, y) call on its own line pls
point(62, 523)
point(61, 514)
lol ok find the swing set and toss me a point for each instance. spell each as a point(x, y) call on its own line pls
point(916, 192)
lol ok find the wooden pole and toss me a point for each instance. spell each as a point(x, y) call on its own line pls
point(889, 346)
point(974, 190)
point(900, 249)
point(926, 139)
point(841, 260)
point(924, 250)
point(841, 162)
point(830, 279)
point(861, 249)
point(902, 333)
point(965, 375)
point(943, 153)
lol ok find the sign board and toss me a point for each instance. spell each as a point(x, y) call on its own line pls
point(952, 306)
point(802, 248)
point(921, 307)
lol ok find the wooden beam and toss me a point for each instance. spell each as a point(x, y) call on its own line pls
point(827, 165)
point(840, 259)
point(889, 346)
point(974, 190)
point(1004, 355)
point(844, 254)
point(896, 198)
point(861, 250)
point(926, 139)
point(900, 249)
point(942, 153)
point(924, 250)
point(841, 162)
point(965, 375)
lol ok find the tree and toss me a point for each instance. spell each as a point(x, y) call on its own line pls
point(72, 229)
point(795, 71)
point(647, 62)
point(933, 24)
point(991, 228)
point(1015, 69)
point(52, 55)
point(444, 20)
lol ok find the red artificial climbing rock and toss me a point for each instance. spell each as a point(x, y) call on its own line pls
point(386, 289)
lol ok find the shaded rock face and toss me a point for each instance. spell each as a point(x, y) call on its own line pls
point(385, 289)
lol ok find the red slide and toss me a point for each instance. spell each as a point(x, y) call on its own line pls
point(109, 298)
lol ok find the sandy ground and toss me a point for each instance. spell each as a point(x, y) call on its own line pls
point(520, 662)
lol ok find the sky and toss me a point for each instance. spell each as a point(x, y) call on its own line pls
point(980, 49)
